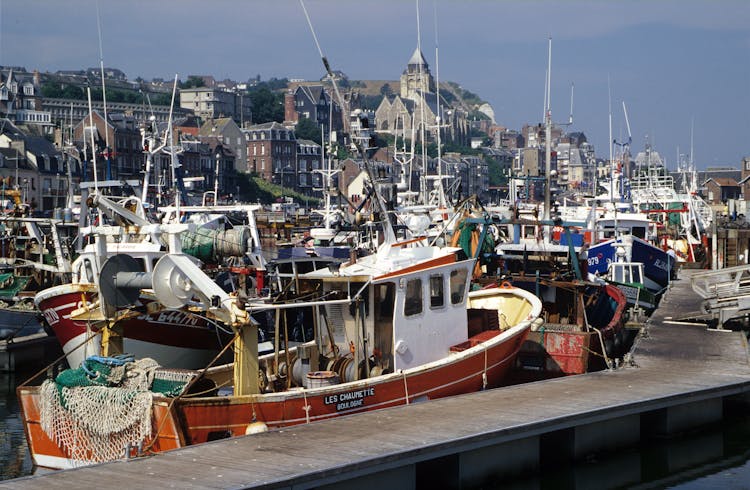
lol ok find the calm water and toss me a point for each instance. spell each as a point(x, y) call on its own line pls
point(15, 460)
point(714, 458)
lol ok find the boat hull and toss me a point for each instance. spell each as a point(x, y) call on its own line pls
point(208, 419)
point(568, 349)
point(655, 261)
point(552, 353)
point(637, 296)
point(174, 338)
point(481, 359)
point(47, 453)
point(482, 362)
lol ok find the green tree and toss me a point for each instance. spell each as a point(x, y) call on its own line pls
point(307, 129)
point(464, 150)
point(57, 91)
point(277, 83)
point(192, 82)
point(164, 99)
point(495, 172)
point(386, 90)
point(267, 105)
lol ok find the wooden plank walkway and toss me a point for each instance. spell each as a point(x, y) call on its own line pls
point(673, 364)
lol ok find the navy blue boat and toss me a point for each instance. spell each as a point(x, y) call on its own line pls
point(656, 262)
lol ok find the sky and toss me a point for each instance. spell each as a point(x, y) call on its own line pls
point(676, 64)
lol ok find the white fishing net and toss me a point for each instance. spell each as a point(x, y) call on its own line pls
point(94, 424)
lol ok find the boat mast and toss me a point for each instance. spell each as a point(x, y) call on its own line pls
point(440, 189)
point(611, 157)
point(421, 88)
point(329, 172)
point(626, 148)
point(548, 138)
point(693, 178)
point(108, 175)
point(93, 144)
point(389, 236)
point(69, 146)
point(173, 156)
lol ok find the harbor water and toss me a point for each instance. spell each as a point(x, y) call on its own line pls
point(15, 460)
point(714, 457)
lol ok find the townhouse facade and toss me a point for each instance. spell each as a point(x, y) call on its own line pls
point(36, 168)
point(313, 102)
point(226, 131)
point(123, 158)
point(272, 153)
point(215, 103)
point(21, 99)
point(310, 180)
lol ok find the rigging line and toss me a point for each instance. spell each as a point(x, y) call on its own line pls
point(104, 91)
point(309, 23)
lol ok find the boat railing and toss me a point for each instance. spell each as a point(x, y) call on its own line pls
point(722, 283)
point(725, 292)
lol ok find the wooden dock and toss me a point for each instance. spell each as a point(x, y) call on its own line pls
point(679, 377)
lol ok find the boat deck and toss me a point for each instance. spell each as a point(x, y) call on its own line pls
point(674, 363)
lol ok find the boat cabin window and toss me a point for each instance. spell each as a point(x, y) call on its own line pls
point(620, 274)
point(88, 270)
point(627, 274)
point(437, 295)
point(384, 299)
point(639, 231)
point(458, 286)
point(635, 273)
point(413, 300)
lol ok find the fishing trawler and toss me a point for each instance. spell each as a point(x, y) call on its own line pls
point(176, 337)
point(394, 328)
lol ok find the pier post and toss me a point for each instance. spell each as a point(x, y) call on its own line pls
point(246, 361)
point(480, 466)
point(680, 418)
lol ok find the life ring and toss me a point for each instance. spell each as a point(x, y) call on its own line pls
point(506, 285)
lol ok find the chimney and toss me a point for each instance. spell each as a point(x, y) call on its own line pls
point(37, 79)
point(290, 112)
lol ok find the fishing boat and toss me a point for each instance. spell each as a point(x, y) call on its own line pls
point(628, 278)
point(583, 329)
point(394, 328)
point(176, 336)
point(657, 264)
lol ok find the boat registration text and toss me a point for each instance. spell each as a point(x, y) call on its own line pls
point(350, 399)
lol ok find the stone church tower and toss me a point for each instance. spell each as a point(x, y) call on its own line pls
point(417, 77)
